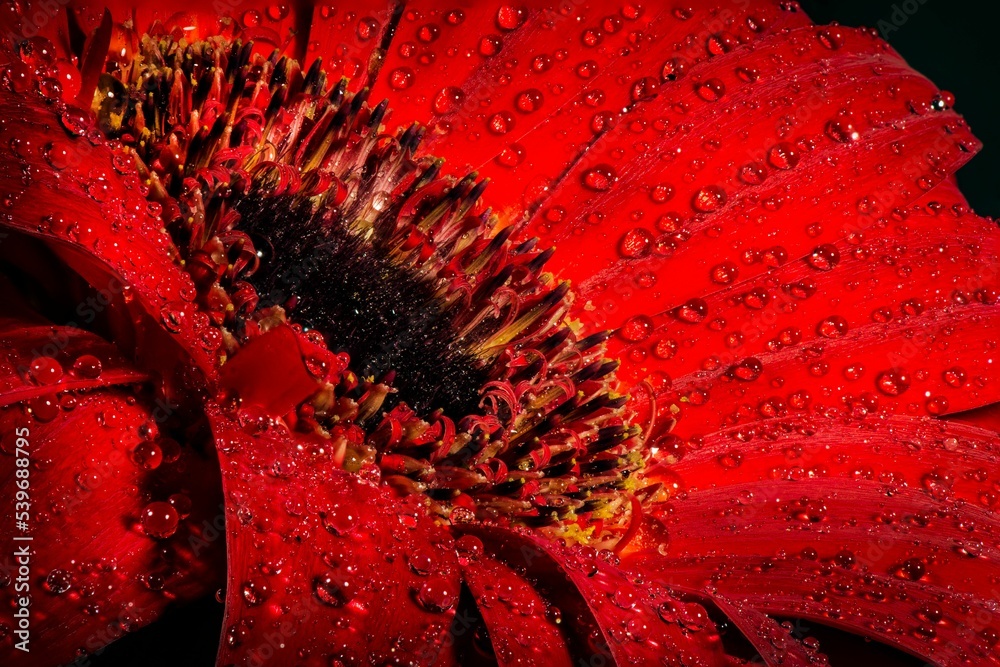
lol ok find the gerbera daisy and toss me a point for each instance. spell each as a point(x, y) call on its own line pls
point(518, 334)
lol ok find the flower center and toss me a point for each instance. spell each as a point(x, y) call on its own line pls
point(288, 200)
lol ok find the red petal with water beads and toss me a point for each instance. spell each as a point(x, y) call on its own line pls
point(687, 205)
point(324, 565)
point(881, 526)
point(877, 330)
point(63, 183)
point(122, 520)
point(615, 616)
point(523, 629)
point(347, 39)
point(774, 644)
point(41, 359)
point(588, 63)
point(520, 91)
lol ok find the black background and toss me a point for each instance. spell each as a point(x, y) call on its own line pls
point(954, 43)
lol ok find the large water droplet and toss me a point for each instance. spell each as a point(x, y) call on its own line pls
point(159, 520)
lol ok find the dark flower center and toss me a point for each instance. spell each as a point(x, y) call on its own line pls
point(383, 315)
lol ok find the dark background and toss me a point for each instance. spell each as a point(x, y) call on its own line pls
point(955, 44)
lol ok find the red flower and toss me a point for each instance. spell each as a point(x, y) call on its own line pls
point(245, 299)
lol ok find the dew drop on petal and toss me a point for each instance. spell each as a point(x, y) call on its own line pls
point(708, 199)
point(87, 366)
point(255, 591)
point(46, 370)
point(159, 520)
point(147, 455)
point(831, 37)
point(332, 590)
point(636, 329)
point(824, 257)
point(834, 326)
point(510, 17)
point(599, 178)
point(724, 273)
point(892, 382)
point(783, 156)
point(635, 243)
point(437, 594)
point(692, 311)
point(448, 100)
point(711, 90)
point(401, 78)
point(58, 581)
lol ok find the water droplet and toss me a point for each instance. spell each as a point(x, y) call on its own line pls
point(843, 128)
point(783, 156)
point(600, 178)
point(469, 547)
point(912, 569)
point(147, 455)
point(437, 594)
point(58, 582)
point(490, 45)
point(824, 257)
point(753, 173)
point(510, 18)
point(954, 377)
point(665, 348)
point(87, 366)
point(44, 408)
point(748, 370)
point(724, 273)
point(635, 243)
point(428, 33)
point(692, 311)
point(333, 590)
point(448, 100)
point(529, 100)
point(367, 28)
point(401, 78)
point(277, 12)
point(636, 329)
point(255, 591)
point(501, 123)
point(159, 520)
point(708, 199)
point(645, 88)
point(892, 382)
point(710, 90)
point(831, 37)
point(46, 371)
point(340, 521)
point(834, 326)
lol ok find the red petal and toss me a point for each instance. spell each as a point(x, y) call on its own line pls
point(516, 91)
point(270, 372)
point(84, 199)
point(522, 629)
point(877, 330)
point(331, 566)
point(884, 527)
point(615, 616)
point(776, 646)
point(40, 360)
point(93, 574)
point(823, 199)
